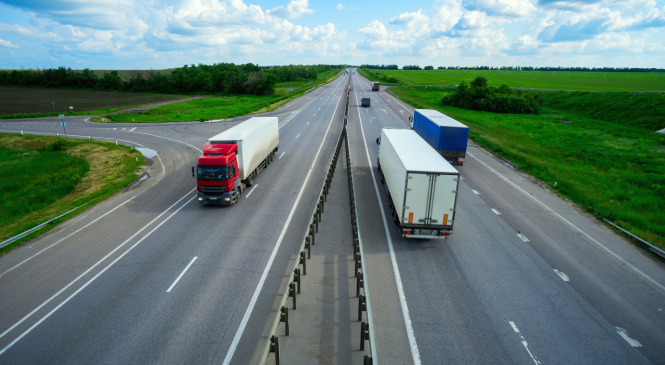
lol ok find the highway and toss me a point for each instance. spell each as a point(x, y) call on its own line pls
point(526, 277)
point(104, 288)
point(150, 276)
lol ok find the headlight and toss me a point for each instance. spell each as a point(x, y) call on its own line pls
point(227, 199)
point(200, 199)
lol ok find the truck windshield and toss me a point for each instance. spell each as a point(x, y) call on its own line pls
point(212, 173)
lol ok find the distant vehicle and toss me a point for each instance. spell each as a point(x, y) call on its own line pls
point(375, 86)
point(422, 185)
point(232, 159)
point(365, 102)
point(446, 135)
point(354, 72)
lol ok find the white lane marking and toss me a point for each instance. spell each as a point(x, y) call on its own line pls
point(255, 185)
point(562, 275)
point(523, 237)
point(264, 275)
point(524, 343)
point(123, 129)
point(461, 177)
point(401, 111)
point(475, 192)
point(93, 267)
point(415, 354)
point(314, 114)
point(73, 233)
point(181, 274)
point(132, 130)
point(114, 128)
point(307, 123)
point(623, 333)
point(496, 211)
point(280, 156)
point(298, 135)
point(617, 257)
point(170, 139)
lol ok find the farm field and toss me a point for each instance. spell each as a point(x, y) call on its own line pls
point(593, 81)
point(78, 172)
point(613, 169)
point(37, 102)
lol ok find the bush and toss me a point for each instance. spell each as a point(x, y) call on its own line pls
point(429, 67)
point(502, 99)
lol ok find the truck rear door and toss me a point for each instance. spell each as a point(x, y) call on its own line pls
point(430, 199)
point(416, 199)
point(444, 195)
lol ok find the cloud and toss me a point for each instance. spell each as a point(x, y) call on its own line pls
point(293, 10)
point(340, 6)
point(5, 43)
point(410, 19)
point(509, 8)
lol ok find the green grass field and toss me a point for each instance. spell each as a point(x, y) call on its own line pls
point(591, 81)
point(43, 177)
point(25, 102)
point(611, 168)
point(219, 107)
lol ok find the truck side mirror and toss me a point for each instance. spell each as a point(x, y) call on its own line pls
point(378, 140)
point(193, 173)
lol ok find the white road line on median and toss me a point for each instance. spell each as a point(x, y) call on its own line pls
point(496, 211)
point(95, 266)
point(563, 276)
point(307, 123)
point(617, 257)
point(181, 274)
point(523, 237)
point(132, 130)
point(524, 343)
point(255, 185)
point(264, 275)
point(415, 355)
point(475, 192)
point(280, 156)
point(633, 342)
point(298, 135)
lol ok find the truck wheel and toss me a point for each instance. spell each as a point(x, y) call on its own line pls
point(272, 156)
point(237, 194)
point(250, 180)
point(267, 160)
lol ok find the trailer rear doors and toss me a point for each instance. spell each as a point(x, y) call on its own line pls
point(430, 200)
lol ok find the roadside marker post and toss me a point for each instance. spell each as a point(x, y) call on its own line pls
point(53, 104)
point(63, 124)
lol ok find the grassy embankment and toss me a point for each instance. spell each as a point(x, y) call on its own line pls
point(220, 107)
point(27, 102)
point(614, 168)
point(593, 81)
point(43, 177)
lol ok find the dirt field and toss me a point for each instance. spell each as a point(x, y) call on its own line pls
point(18, 100)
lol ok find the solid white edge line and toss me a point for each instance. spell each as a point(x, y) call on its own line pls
point(617, 257)
point(84, 273)
point(264, 275)
point(181, 274)
point(298, 135)
point(255, 185)
point(524, 343)
point(280, 156)
point(415, 354)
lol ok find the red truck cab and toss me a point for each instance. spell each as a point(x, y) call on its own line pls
point(216, 174)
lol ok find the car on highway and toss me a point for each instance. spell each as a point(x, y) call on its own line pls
point(365, 102)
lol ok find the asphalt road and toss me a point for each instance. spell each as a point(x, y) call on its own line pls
point(567, 290)
point(149, 276)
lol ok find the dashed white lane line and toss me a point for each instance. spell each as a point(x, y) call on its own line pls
point(114, 129)
point(524, 343)
point(307, 123)
point(298, 135)
point(181, 274)
point(623, 333)
point(475, 192)
point(617, 257)
point(496, 211)
point(132, 130)
point(280, 156)
point(255, 185)
point(523, 237)
point(563, 276)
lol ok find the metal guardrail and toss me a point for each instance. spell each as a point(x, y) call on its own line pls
point(653, 248)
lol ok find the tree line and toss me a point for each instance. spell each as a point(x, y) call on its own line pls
point(220, 78)
point(479, 96)
point(380, 67)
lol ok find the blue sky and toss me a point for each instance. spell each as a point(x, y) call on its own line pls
point(144, 34)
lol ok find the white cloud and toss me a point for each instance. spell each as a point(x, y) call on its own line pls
point(340, 6)
point(5, 43)
point(293, 10)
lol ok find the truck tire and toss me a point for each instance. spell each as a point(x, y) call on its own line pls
point(267, 160)
point(237, 194)
point(250, 180)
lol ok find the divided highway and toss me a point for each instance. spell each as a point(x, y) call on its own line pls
point(524, 279)
point(149, 276)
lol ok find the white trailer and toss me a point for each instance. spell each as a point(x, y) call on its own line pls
point(422, 185)
point(257, 138)
point(375, 86)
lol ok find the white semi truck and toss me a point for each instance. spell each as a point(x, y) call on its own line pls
point(421, 184)
point(375, 86)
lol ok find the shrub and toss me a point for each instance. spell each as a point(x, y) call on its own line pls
point(502, 99)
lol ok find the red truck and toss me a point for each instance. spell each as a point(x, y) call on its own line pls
point(232, 159)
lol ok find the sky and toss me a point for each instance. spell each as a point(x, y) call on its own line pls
point(156, 34)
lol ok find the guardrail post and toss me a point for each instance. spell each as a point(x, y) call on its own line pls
point(362, 306)
point(296, 278)
point(364, 334)
point(284, 317)
point(360, 282)
point(274, 347)
point(292, 293)
point(316, 223)
point(367, 360)
point(308, 246)
point(303, 261)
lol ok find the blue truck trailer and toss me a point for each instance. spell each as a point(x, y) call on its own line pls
point(446, 135)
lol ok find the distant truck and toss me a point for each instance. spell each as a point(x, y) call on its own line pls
point(365, 102)
point(446, 135)
point(375, 86)
point(422, 186)
point(232, 159)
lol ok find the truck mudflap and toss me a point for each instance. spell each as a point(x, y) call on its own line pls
point(438, 234)
point(227, 198)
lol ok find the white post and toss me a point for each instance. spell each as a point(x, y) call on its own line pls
point(57, 135)
point(116, 142)
point(89, 138)
point(137, 159)
point(21, 131)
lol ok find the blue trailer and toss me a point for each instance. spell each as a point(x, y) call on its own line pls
point(446, 135)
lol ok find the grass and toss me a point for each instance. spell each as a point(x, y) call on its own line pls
point(610, 168)
point(25, 102)
point(43, 177)
point(593, 81)
point(220, 107)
